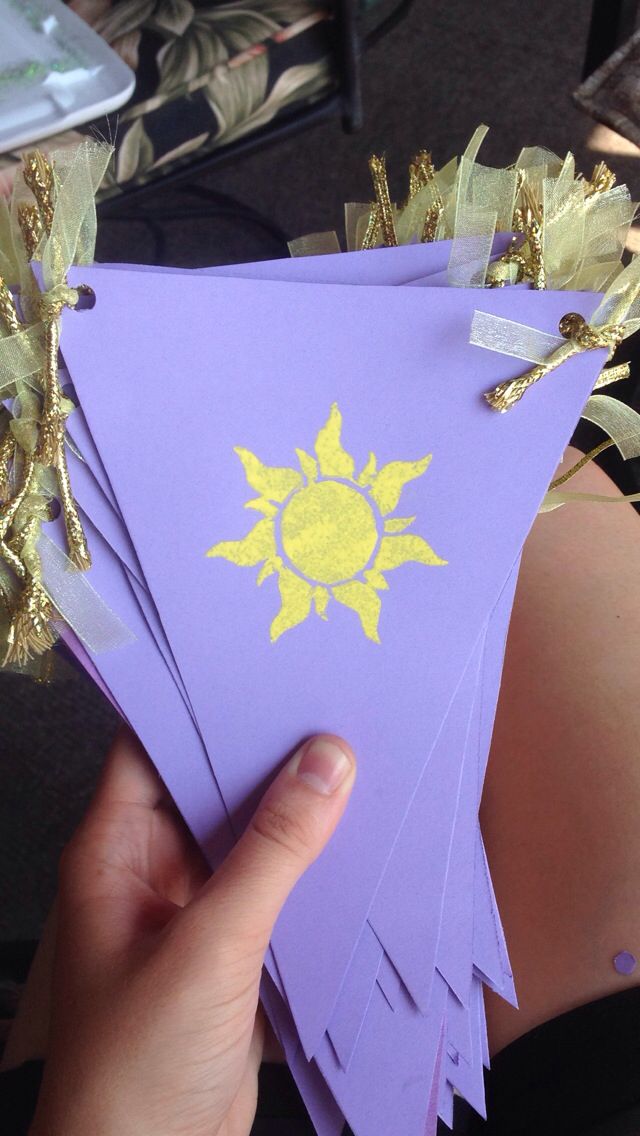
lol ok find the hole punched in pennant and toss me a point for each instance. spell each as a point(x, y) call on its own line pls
point(86, 298)
point(54, 508)
point(69, 392)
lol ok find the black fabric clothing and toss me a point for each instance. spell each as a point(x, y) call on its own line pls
point(577, 1075)
point(19, 1090)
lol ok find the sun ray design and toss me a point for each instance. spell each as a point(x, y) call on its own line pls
point(326, 531)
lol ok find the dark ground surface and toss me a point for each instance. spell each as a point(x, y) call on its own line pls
point(446, 69)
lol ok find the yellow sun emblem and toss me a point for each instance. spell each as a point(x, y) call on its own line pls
point(327, 532)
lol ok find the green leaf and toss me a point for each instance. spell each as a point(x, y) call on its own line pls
point(234, 95)
point(172, 17)
point(123, 17)
point(181, 151)
point(135, 153)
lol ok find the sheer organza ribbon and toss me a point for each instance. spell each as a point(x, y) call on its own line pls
point(77, 601)
point(570, 232)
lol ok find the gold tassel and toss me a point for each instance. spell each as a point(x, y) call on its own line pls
point(13, 560)
point(372, 232)
point(580, 336)
point(612, 374)
point(10, 508)
point(8, 310)
point(7, 517)
point(431, 222)
point(9, 318)
point(25, 459)
point(525, 254)
point(602, 179)
point(51, 447)
point(381, 219)
point(421, 172)
point(30, 631)
point(78, 547)
point(51, 426)
point(31, 228)
point(528, 221)
point(7, 451)
point(39, 176)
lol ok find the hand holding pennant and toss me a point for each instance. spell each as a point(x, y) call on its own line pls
point(346, 420)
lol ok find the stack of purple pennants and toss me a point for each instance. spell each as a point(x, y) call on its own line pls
point(366, 591)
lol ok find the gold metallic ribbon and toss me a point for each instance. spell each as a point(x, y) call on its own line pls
point(381, 221)
point(616, 317)
point(51, 219)
point(579, 336)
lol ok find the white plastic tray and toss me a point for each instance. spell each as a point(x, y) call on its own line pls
point(55, 72)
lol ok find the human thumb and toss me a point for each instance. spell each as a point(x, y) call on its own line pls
point(292, 825)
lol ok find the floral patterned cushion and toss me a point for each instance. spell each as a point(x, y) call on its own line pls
point(207, 74)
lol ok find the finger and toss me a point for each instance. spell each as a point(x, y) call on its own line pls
point(118, 837)
point(292, 825)
point(133, 812)
point(128, 776)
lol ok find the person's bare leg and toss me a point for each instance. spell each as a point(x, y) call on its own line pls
point(561, 807)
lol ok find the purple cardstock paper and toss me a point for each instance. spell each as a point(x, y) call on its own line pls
point(402, 372)
point(380, 325)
